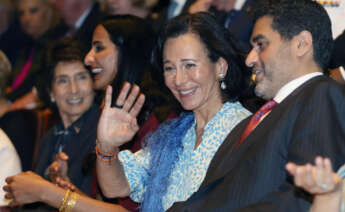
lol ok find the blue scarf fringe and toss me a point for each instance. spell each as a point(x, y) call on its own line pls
point(165, 146)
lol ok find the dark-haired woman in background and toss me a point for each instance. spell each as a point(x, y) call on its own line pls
point(202, 67)
point(121, 51)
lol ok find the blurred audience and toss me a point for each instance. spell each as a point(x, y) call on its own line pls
point(36, 18)
point(336, 12)
point(140, 8)
point(6, 10)
point(168, 10)
point(80, 17)
point(233, 14)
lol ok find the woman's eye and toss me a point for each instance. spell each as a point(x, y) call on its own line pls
point(83, 77)
point(168, 69)
point(61, 81)
point(190, 65)
point(99, 48)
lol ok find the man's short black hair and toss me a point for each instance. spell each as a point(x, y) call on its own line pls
point(290, 17)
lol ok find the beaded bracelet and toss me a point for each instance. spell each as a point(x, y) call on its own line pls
point(105, 157)
point(64, 201)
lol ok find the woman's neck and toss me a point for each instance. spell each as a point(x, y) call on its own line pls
point(203, 116)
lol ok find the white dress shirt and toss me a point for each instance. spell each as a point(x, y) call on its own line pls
point(10, 163)
point(288, 88)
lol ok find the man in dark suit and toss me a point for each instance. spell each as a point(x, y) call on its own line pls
point(290, 52)
point(337, 63)
point(80, 18)
point(174, 8)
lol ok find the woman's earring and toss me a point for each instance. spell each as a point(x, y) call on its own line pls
point(222, 82)
point(52, 99)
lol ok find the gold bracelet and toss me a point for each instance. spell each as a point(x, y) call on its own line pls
point(72, 200)
point(64, 201)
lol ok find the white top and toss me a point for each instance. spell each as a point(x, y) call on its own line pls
point(10, 163)
point(288, 88)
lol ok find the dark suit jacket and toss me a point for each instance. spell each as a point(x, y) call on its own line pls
point(239, 22)
point(158, 20)
point(309, 122)
point(85, 31)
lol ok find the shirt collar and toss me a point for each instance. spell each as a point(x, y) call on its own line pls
point(82, 18)
point(288, 88)
point(76, 126)
point(178, 9)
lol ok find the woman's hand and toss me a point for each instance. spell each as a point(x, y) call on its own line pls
point(25, 187)
point(118, 125)
point(318, 179)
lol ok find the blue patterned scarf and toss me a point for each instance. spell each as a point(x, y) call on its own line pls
point(165, 146)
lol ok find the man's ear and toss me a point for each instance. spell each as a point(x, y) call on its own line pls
point(221, 67)
point(303, 43)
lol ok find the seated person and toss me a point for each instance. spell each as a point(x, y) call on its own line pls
point(11, 163)
point(203, 69)
point(69, 86)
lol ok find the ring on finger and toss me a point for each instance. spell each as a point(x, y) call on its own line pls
point(324, 186)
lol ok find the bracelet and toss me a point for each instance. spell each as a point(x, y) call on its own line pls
point(64, 201)
point(105, 157)
point(72, 200)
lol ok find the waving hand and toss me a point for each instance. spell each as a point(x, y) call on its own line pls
point(118, 125)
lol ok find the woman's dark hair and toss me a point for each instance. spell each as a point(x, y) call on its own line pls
point(219, 43)
point(63, 50)
point(133, 38)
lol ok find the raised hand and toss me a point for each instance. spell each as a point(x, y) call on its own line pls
point(118, 125)
point(318, 179)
